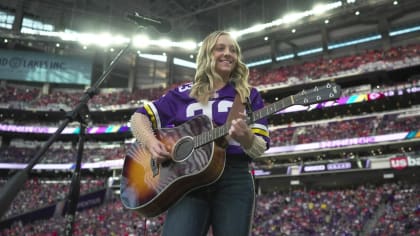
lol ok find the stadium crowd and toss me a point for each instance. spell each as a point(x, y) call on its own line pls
point(37, 193)
point(376, 210)
point(371, 60)
point(19, 97)
point(19, 152)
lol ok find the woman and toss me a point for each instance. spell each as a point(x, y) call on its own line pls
point(226, 205)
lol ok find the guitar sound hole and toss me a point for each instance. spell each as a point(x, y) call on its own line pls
point(183, 149)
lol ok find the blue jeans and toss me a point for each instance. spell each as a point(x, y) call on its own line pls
point(227, 206)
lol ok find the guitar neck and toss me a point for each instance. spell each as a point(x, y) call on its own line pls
point(223, 130)
point(330, 91)
point(272, 108)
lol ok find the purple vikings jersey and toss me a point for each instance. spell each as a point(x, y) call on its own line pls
point(177, 107)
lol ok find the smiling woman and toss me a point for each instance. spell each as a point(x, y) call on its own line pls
point(226, 202)
point(225, 56)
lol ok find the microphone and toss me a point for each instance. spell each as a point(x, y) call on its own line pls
point(161, 25)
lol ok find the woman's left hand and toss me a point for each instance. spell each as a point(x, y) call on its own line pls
point(240, 131)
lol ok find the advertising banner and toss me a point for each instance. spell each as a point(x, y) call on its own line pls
point(43, 67)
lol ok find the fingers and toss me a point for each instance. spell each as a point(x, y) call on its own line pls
point(240, 132)
point(238, 127)
point(159, 152)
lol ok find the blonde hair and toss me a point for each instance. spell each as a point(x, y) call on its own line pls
point(206, 72)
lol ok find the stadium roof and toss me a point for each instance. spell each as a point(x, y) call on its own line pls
point(188, 18)
point(269, 29)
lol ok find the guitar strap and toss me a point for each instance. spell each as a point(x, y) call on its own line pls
point(237, 107)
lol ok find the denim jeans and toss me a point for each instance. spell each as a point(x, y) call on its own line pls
point(227, 206)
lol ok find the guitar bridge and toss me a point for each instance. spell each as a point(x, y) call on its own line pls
point(154, 166)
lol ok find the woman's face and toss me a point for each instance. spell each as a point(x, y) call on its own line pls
point(225, 55)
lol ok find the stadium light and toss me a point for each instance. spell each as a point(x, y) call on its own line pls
point(258, 63)
point(103, 39)
point(293, 17)
point(254, 29)
point(319, 9)
point(142, 41)
point(353, 42)
point(310, 51)
point(404, 31)
point(184, 63)
point(285, 57)
point(322, 8)
point(155, 57)
point(107, 40)
point(35, 27)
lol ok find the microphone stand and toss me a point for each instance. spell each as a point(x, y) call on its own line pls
point(80, 113)
point(74, 192)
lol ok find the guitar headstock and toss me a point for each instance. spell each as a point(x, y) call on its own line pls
point(327, 92)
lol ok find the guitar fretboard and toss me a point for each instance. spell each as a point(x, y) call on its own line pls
point(223, 130)
point(327, 92)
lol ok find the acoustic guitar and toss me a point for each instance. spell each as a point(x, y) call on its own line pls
point(197, 159)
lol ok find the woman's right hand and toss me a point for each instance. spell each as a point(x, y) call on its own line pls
point(157, 150)
point(142, 131)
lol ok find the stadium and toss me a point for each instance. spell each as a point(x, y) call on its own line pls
point(73, 72)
